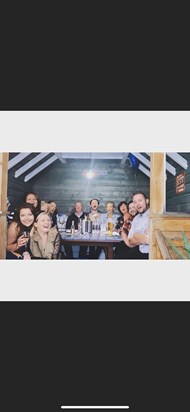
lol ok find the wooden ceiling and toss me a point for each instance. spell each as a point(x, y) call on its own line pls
point(30, 164)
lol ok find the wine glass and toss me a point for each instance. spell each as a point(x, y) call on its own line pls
point(59, 222)
point(62, 221)
point(26, 235)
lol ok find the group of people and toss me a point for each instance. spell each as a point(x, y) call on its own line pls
point(33, 233)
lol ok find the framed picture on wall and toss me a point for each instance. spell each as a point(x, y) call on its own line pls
point(180, 183)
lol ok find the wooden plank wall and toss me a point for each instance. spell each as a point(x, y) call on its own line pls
point(167, 223)
point(17, 188)
point(179, 203)
point(65, 184)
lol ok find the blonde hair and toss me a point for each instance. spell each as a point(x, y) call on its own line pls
point(42, 213)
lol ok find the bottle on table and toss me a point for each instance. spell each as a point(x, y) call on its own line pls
point(72, 228)
point(79, 225)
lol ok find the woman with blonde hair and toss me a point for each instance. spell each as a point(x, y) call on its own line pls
point(45, 241)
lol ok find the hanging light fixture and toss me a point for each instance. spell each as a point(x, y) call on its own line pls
point(89, 173)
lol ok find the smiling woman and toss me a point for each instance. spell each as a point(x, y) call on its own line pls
point(45, 241)
point(16, 233)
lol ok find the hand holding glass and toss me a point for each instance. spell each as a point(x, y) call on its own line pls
point(26, 235)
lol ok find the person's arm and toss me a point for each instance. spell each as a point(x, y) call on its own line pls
point(57, 247)
point(13, 243)
point(139, 239)
point(125, 238)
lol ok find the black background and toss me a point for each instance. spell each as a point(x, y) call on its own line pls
point(94, 353)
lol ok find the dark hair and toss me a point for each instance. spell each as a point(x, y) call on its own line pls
point(141, 193)
point(21, 227)
point(130, 201)
point(110, 201)
point(120, 204)
point(94, 199)
point(55, 211)
point(37, 198)
point(50, 201)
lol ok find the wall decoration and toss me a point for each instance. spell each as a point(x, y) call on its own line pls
point(180, 183)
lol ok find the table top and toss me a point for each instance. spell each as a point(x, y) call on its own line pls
point(98, 236)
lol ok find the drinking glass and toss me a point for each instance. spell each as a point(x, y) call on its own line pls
point(60, 222)
point(26, 235)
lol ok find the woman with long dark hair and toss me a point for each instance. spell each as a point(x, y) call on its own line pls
point(123, 221)
point(34, 200)
point(19, 230)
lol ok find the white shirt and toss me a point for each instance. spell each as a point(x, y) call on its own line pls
point(139, 224)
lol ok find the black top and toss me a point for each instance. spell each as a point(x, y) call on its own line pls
point(119, 222)
point(74, 218)
point(53, 217)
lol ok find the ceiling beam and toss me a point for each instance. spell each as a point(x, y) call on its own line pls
point(40, 168)
point(144, 170)
point(88, 155)
point(124, 158)
point(59, 156)
point(142, 159)
point(169, 167)
point(16, 159)
point(178, 159)
point(30, 164)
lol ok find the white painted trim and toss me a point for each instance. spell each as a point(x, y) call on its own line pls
point(124, 158)
point(89, 155)
point(144, 170)
point(142, 159)
point(30, 164)
point(170, 169)
point(13, 162)
point(178, 159)
point(59, 156)
point(40, 168)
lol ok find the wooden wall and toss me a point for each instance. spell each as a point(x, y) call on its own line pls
point(17, 188)
point(65, 184)
point(179, 203)
point(171, 225)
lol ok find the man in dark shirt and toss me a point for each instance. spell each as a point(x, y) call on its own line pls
point(75, 217)
point(95, 217)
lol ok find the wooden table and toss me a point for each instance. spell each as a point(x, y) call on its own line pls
point(99, 238)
